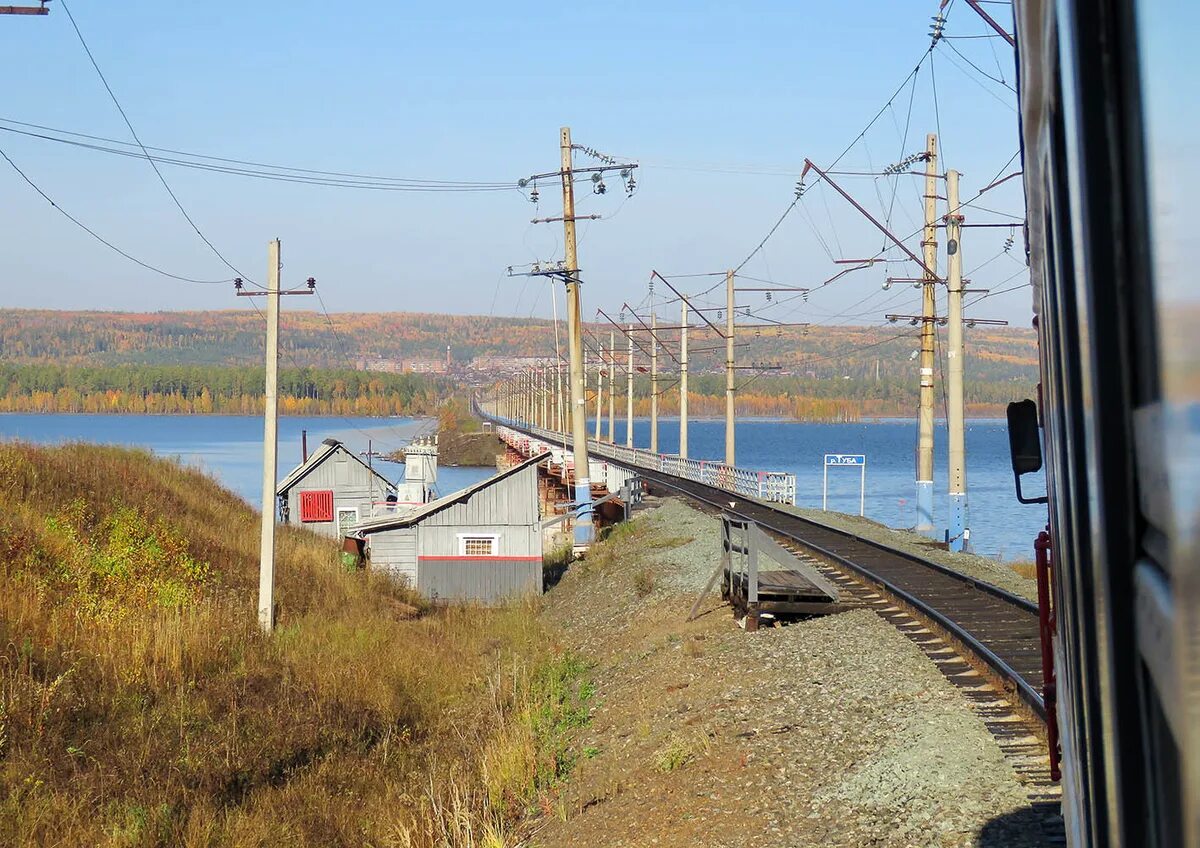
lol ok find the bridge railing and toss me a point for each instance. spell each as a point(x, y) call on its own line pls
point(775, 486)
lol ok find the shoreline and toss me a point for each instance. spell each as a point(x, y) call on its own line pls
point(430, 416)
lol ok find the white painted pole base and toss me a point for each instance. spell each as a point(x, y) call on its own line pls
point(925, 507)
point(584, 531)
point(958, 534)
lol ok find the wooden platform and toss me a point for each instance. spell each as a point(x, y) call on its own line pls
point(782, 593)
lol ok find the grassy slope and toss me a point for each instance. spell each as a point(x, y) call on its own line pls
point(139, 705)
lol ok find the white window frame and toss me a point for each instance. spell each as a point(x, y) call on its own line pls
point(494, 538)
point(337, 515)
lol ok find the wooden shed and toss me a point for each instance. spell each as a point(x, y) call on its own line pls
point(481, 544)
point(332, 491)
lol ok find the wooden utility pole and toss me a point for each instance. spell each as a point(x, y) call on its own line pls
point(959, 534)
point(629, 392)
point(583, 484)
point(928, 317)
point(729, 368)
point(266, 563)
point(683, 379)
point(653, 380)
point(612, 386)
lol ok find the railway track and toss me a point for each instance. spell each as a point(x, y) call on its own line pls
point(997, 628)
point(983, 639)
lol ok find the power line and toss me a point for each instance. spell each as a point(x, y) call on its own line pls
point(266, 165)
point(301, 176)
point(66, 8)
point(99, 237)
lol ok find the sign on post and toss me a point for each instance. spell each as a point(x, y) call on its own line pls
point(854, 460)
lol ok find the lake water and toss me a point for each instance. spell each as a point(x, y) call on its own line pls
point(230, 448)
point(1000, 527)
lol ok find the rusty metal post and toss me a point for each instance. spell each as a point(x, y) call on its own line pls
point(1046, 627)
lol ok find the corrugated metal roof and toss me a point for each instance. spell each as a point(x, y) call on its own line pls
point(328, 448)
point(391, 522)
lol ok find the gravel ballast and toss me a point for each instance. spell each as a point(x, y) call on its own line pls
point(832, 731)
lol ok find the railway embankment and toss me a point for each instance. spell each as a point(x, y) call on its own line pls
point(833, 731)
point(1008, 576)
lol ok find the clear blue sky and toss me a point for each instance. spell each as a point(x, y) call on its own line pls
point(478, 91)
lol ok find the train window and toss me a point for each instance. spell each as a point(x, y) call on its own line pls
point(1168, 427)
point(1169, 452)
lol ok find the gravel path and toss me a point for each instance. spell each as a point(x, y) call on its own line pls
point(834, 731)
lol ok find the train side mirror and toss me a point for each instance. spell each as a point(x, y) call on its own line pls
point(1024, 444)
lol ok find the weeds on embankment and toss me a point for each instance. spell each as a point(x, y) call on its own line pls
point(141, 706)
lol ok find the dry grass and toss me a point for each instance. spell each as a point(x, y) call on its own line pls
point(140, 705)
point(1026, 569)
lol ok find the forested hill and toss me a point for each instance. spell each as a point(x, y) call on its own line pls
point(399, 340)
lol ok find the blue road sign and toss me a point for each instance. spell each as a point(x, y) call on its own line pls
point(845, 459)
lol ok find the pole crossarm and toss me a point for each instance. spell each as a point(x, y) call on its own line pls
point(719, 347)
point(591, 169)
point(558, 218)
point(24, 10)
point(808, 164)
point(311, 287)
point(990, 21)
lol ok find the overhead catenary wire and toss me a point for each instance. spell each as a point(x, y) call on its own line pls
point(787, 211)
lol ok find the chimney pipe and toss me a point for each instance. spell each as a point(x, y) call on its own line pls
point(304, 446)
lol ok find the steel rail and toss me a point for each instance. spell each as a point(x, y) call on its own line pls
point(1023, 612)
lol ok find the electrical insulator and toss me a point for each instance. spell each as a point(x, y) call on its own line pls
point(768, 297)
point(533, 195)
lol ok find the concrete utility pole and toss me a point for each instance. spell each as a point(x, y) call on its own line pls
point(629, 392)
point(729, 366)
point(583, 484)
point(544, 391)
point(599, 391)
point(683, 379)
point(653, 380)
point(560, 425)
point(266, 563)
point(959, 534)
point(612, 385)
point(266, 559)
point(928, 317)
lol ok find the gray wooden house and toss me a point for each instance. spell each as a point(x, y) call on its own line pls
point(482, 544)
point(332, 491)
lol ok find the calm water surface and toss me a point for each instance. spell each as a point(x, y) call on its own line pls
point(1000, 527)
point(230, 448)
